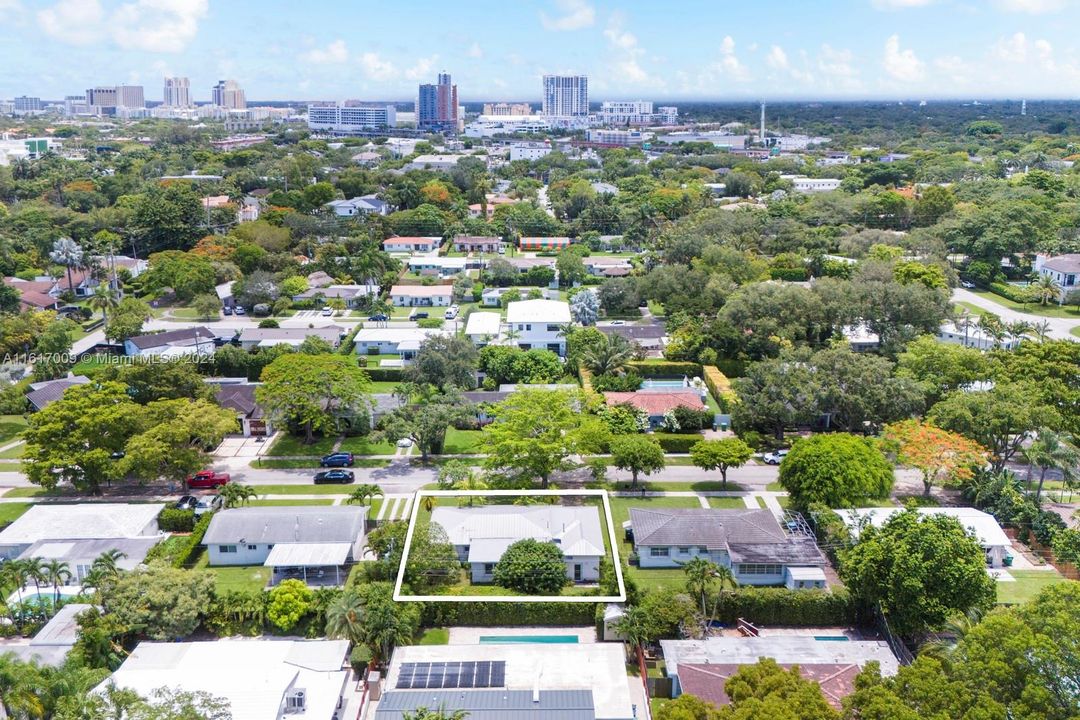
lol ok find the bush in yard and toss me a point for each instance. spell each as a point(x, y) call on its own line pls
point(175, 520)
point(531, 567)
point(496, 614)
point(675, 442)
point(692, 420)
point(838, 470)
point(289, 602)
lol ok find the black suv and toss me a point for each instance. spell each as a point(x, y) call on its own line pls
point(338, 459)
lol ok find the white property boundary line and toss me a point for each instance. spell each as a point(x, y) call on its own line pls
point(417, 501)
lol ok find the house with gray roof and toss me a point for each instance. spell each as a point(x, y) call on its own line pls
point(315, 544)
point(172, 343)
point(257, 337)
point(80, 553)
point(752, 543)
point(83, 521)
point(1064, 269)
point(45, 393)
point(480, 535)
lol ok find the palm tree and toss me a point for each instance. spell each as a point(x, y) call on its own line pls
point(58, 573)
point(700, 574)
point(234, 494)
point(1045, 289)
point(345, 617)
point(363, 494)
point(962, 320)
point(103, 299)
point(1051, 450)
point(608, 357)
point(440, 714)
point(67, 253)
point(1019, 328)
point(1041, 330)
point(20, 687)
point(634, 627)
point(990, 326)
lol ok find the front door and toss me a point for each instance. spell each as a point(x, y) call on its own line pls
point(577, 572)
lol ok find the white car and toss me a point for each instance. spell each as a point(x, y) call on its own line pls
point(327, 311)
point(775, 457)
point(967, 284)
point(208, 503)
point(451, 312)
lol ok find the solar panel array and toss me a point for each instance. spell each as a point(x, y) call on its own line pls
point(469, 674)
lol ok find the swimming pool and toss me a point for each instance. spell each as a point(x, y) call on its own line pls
point(42, 597)
point(525, 639)
point(832, 638)
point(653, 383)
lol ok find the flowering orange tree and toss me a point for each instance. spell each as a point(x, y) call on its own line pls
point(938, 454)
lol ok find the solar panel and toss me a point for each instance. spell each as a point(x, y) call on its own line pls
point(498, 674)
point(445, 675)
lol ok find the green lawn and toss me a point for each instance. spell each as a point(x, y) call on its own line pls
point(1027, 586)
point(1035, 309)
point(364, 445)
point(11, 426)
point(245, 578)
point(726, 503)
point(13, 453)
point(289, 503)
point(699, 486)
point(653, 579)
point(29, 492)
point(1075, 331)
point(9, 512)
point(373, 509)
point(291, 445)
point(434, 636)
point(970, 307)
point(10, 467)
point(383, 386)
point(462, 442)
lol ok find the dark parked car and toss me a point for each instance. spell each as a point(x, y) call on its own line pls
point(343, 477)
point(378, 317)
point(188, 502)
point(419, 316)
point(338, 459)
point(227, 310)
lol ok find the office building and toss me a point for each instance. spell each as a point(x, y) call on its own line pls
point(636, 112)
point(437, 106)
point(620, 138)
point(346, 117)
point(566, 95)
point(102, 100)
point(229, 95)
point(503, 109)
point(130, 96)
point(177, 92)
point(26, 104)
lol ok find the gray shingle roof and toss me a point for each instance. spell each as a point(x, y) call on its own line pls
point(286, 524)
point(1069, 263)
point(193, 334)
point(491, 704)
point(45, 393)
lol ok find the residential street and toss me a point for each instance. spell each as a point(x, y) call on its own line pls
point(1059, 327)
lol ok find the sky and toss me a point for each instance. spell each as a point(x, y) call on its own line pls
point(498, 50)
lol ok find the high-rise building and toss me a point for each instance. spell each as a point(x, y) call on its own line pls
point(26, 104)
point(101, 100)
point(177, 92)
point(229, 95)
point(566, 95)
point(349, 117)
point(437, 106)
point(130, 96)
point(507, 109)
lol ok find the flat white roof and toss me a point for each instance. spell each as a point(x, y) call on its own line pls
point(82, 521)
point(805, 573)
point(785, 649)
point(600, 667)
point(422, 290)
point(483, 323)
point(254, 675)
point(983, 525)
point(548, 311)
point(308, 554)
point(394, 335)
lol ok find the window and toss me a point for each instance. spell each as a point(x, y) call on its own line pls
point(702, 550)
point(658, 552)
point(253, 547)
point(684, 551)
point(529, 327)
point(226, 548)
point(489, 568)
point(554, 328)
point(760, 569)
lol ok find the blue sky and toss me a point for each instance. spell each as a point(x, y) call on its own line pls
point(687, 49)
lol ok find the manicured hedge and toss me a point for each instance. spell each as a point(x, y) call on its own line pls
point(174, 520)
point(381, 374)
point(720, 386)
point(664, 368)
point(194, 540)
point(493, 614)
point(790, 274)
point(780, 606)
point(732, 368)
point(676, 442)
point(1011, 292)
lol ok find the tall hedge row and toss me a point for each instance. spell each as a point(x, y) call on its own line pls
point(484, 614)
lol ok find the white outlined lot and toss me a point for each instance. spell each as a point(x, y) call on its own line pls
point(613, 542)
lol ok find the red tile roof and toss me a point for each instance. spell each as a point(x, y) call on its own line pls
point(707, 681)
point(656, 403)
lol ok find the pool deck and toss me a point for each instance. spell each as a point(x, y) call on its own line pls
point(472, 635)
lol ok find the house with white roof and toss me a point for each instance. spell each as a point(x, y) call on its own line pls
point(260, 678)
point(483, 327)
point(364, 205)
point(401, 341)
point(422, 295)
point(995, 543)
point(973, 336)
point(84, 521)
point(411, 244)
point(257, 337)
point(480, 535)
point(539, 324)
point(437, 266)
point(353, 296)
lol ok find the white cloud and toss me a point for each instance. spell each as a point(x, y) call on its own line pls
point(729, 62)
point(624, 47)
point(953, 68)
point(1045, 53)
point(11, 11)
point(376, 68)
point(1012, 49)
point(333, 54)
point(777, 59)
point(900, 64)
point(150, 25)
point(899, 4)
point(1031, 7)
point(422, 70)
point(475, 51)
point(575, 15)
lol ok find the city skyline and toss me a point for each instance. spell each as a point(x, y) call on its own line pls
point(854, 49)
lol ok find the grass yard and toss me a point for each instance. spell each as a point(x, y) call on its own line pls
point(1057, 311)
point(13, 453)
point(287, 444)
point(1027, 585)
point(699, 486)
point(970, 307)
point(462, 442)
point(11, 426)
point(30, 492)
point(434, 636)
point(1075, 331)
point(312, 463)
point(10, 512)
point(364, 445)
point(648, 579)
point(373, 508)
point(242, 578)
point(726, 503)
point(383, 386)
point(10, 466)
point(289, 503)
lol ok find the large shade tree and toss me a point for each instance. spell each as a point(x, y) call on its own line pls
point(313, 393)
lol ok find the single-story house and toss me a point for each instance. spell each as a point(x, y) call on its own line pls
point(477, 243)
point(80, 554)
point(995, 543)
point(354, 296)
point(259, 678)
point(974, 337)
point(501, 681)
point(319, 279)
point(702, 667)
point(313, 543)
point(249, 210)
point(437, 266)
point(85, 521)
point(525, 264)
point(51, 644)
point(480, 535)
point(411, 244)
point(44, 393)
point(172, 343)
point(33, 295)
point(655, 403)
point(256, 337)
point(752, 543)
point(238, 395)
point(365, 205)
point(543, 244)
point(422, 295)
point(483, 327)
point(405, 342)
point(607, 266)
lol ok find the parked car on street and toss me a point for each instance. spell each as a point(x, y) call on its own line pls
point(967, 284)
point(418, 315)
point(327, 311)
point(775, 457)
point(378, 317)
point(209, 503)
point(338, 459)
point(208, 479)
point(188, 502)
point(343, 477)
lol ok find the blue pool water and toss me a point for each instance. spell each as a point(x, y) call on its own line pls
point(662, 383)
point(541, 639)
point(831, 638)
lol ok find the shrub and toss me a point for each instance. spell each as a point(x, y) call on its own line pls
point(430, 323)
point(360, 658)
point(664, 368)
point(720, 386)
point(1011, 292)
point(676, 442)
point(174, 520)
point(532, 567)
point(494, 614)
point(184, 552)
point(788, 273)
point(381, 374)
point(780, 606)
point(609, 382)
point(692, 420)
point(289, 602)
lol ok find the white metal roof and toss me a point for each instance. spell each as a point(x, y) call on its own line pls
point(984, 526)
point(82, 521)
point(551, 311)
point(483, 323)
point(308, 554)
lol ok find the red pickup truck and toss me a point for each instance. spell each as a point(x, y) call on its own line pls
point(207, 479)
